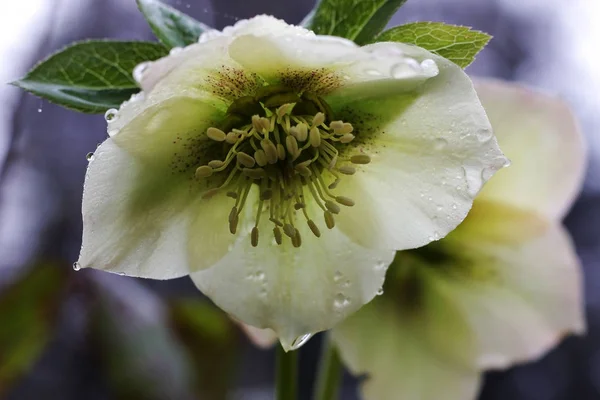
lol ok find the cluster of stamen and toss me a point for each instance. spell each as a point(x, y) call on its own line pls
point(283, 143)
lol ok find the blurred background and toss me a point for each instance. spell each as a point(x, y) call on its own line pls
point(90, 335)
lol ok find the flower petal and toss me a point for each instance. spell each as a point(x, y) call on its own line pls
point(431, 151)
point(258, 25)
point(137, 216)
point(517, 281)
point(294, 291)
point(389, 347)
point(539, 134)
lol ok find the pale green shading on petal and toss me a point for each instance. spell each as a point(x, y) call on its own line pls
point(395, 343)
point(539, 134)
point(431, 148)
point(519, 286)
point(294, 291)
point(137, 217)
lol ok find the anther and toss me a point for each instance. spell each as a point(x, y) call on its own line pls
point(270, 150)
point(245, 159)
point(232, 138)
point(233, 224)
point(329, 220)
point(347, 138)
point(277, 234)
point(260, 157)
point(297, 239)
point(360, 159)
point(336, 125)
point(254, 237)
point(347, 170)
point(299, 206)
point(216, 134)
point(344, 129)
point(332, 207)
point(216, 164)
point(348, 202)
point(289, 230)
point(303, 170)
point(276, 222)
point(318, 119)
point(292, 146)
point(315, 137)
point(280, 151)
point(314, 228)
point(204, 171)
point(256, 123)
point(334, 184)
point(233, 195)
point(254, 173)
point(302, 132)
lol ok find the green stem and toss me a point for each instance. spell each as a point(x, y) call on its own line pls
point(330, 373)
point(286, 385)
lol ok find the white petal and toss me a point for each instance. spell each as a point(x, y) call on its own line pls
point(432, 149)
point(259, 25)
point(398, 362)
point(294, 291)
point(519, 286)
point(539, 134)
point(263, 338)
point(137, 218)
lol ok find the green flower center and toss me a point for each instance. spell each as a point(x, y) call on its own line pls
point(284, 143)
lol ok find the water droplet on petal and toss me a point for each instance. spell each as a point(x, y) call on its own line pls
point(373, 72)
point(380, 291)
point(300, 341)
point(76, 266)
point(113, 132)
point(341, 301)
point(346, 284)
point(337, 276)
point(454, 206)
point(138, 71)
point(89, 156)
point(111, 115)
point(380, 265)
point(440, 144)
point(405, 69)
point(429, 67)
point(474, 180)
point(176, 50)
point(483, 135)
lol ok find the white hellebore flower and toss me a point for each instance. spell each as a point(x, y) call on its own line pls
point(282, 170)
point(503, 288)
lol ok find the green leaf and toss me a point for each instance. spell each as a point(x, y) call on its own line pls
point(357, 20)
point(28, 314)
point(171, 27)
point(459, 44)
point(90, 76)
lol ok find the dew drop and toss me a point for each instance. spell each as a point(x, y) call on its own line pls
point(111, 115)
point(440, 144)
point(429, 67)
point(380, 265)
point(346, 284)
point(340, 301)
point(89, 156)
point(138, 71)
point(454, 206)
point(474, 180)
point(76, 266)
point(300, 341)
point(380, 291)
point(484, 135)
point(405, 69)
point(337, 276)
point(260, 276)
point(373, 72)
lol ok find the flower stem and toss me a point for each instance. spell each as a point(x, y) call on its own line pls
point(330, 372)
point(286, 385)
